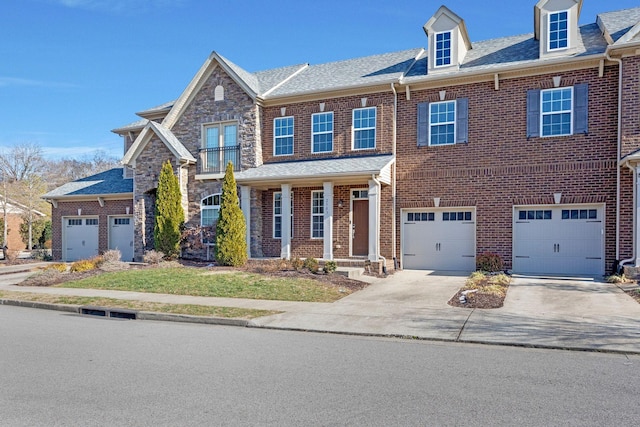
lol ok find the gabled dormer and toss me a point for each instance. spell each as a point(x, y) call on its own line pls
point(448, 40)
point(556, 27)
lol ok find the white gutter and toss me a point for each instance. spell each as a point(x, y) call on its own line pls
point(619, 155)
point(393, 171)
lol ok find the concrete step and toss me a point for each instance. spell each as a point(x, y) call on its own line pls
point(350, 272)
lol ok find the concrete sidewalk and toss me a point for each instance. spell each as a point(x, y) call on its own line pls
point(547, 313)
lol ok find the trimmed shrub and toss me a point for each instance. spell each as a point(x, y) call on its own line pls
point(169, 213)
point(489, 262)
point(60, 266)
point(297, 264)
point(231, 244)
point(311, 264)
point(153, 257)
point(112, 255)
point(83, 265)
point(330, 267)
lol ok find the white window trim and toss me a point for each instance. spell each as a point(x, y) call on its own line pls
point(322, 133)
point(543, 114)
point(455, 121)
point(209, 207)
point(293, 141)
point(353, 130)
point(435, 49)
point(557, 49)
point(273, 231)
point(220, 126)
point(321, 215)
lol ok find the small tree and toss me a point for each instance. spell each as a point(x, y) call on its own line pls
point(169, 212)
point(231, 246)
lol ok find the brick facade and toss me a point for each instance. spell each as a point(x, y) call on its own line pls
point(88, 209)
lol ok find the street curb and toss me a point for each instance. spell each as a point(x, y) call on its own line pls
point(140, 315)
point(453, 341)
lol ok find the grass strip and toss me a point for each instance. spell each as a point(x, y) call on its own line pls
point(188, 309)
point(196, 282)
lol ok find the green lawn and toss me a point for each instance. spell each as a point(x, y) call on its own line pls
point(188, 309)
point(198, 282)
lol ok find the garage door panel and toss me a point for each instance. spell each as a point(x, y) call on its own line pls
point(81, 238)
point(121, 236)
point(566, 240)
point(439, 240)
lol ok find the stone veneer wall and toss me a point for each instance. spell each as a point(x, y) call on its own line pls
point(148, 166)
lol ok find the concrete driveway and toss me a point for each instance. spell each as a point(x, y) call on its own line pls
point(563, 313)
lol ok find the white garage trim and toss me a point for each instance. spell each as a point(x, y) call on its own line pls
point(559, 239)
point(121, 235)
point(80, 236)
point(435, 241)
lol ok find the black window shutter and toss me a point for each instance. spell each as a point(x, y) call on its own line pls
point(462, 120)
point(423, 123)
point(581, 108)
point(533, 113)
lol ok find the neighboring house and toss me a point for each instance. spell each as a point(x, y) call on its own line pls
point(15, 213)
point(92, 215)
point(527, 146)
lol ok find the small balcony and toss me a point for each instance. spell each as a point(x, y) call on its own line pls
point(213, 161)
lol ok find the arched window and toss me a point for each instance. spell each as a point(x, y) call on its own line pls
point(218, 93)
point(209, 210)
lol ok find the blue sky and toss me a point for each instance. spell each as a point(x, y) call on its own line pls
point(72, 70)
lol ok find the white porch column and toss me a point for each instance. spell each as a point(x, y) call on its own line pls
point(328, 220)
point(285, 242)
point(636, 219)
point(374, 220)
point(245, 205)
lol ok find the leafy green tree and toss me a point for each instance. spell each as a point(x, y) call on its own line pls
point(231, 246)
point(169, 212)
point(39, 228)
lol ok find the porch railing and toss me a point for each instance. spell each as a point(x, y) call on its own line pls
point(214, 160)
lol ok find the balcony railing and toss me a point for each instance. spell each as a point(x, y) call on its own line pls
point(214, 160)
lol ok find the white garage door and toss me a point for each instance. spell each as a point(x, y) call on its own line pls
point(559, 240)
point(80, 238)
point(439, 240)
point(121, 236)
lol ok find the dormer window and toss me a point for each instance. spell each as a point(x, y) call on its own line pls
point(443, 49)
point(559, 30)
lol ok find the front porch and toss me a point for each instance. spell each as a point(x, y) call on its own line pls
point(326, 209)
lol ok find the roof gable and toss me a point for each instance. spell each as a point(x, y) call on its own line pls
point(166, 136)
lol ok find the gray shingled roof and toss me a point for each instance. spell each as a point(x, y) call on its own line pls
point(138, 124)
point(316, 168)
point(171, 139)
point(619, 22)
point(108, 182)
point(162, 107)
point(389, 67)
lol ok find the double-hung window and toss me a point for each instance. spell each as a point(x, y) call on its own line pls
point(317, 214)
point(558, 111)
point(209, 214)
point(322, 132)
point(558, 30)
point(283, 136)
point(443, 123)
point(443, 49)
point(364, 128)
point(277, 215)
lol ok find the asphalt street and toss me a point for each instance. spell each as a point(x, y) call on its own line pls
point(61, 369)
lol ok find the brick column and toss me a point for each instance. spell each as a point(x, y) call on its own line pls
point(285, 242)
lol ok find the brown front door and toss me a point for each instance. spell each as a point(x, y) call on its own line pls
point(360, 228)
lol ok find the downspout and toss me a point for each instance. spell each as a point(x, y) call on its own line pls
point(393, 181)
point(619, 155)
point(384, 265)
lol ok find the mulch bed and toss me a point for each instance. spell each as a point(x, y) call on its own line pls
point(477, 300)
